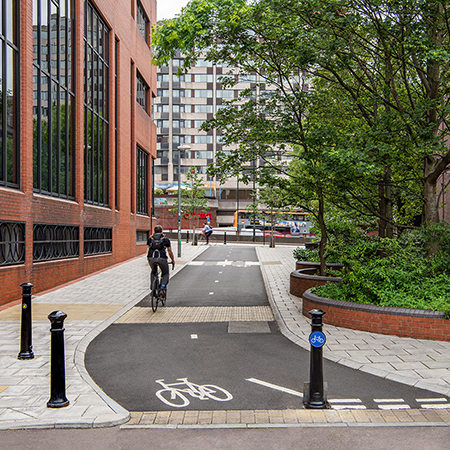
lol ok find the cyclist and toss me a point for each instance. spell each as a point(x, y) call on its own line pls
point(207, 231)
point(157, 256)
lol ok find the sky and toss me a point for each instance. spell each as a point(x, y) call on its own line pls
point(167, 9)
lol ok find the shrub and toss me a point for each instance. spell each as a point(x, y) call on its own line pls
point(396, 272)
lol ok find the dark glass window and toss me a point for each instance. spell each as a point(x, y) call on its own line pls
point(96, 96)
point(116, 120)
point(55, 241)
point(142, 22)
point(12, 243)
point(53, 97)
point(9, 94)
point(142, 181)
point(141, 91)
point(97, 240)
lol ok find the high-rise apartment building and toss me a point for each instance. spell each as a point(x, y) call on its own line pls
point(183, 103)
point(77, 138)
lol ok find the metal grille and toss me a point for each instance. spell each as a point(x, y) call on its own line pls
point(12, 243)
point(97, 240)
point(55, 241)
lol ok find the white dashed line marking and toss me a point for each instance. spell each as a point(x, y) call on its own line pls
point(436, 406)
point(194, 336)
point(394, 407)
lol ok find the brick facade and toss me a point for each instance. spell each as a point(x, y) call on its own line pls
point(135, 127)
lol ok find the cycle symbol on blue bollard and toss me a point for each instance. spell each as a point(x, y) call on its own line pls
point(317, 339)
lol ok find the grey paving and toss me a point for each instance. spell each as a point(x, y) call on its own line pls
point(99, 300)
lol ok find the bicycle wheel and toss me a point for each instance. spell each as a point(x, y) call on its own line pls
point(221, 395)
point(163, 299)
point(155, 294)
point(172, 398)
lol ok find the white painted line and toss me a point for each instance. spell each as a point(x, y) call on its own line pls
point(196, 263)
point(194, 336)
point(422, 400)
point(436, 406)
point(348, 407)
point(388, 400)
point(211, 293)
point(394, 407)
point(220, 272)
point(216, 281)
point(274, 386)
point(344, 400)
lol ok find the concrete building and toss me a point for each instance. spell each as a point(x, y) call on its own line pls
point(183, 103)
point(77, 138)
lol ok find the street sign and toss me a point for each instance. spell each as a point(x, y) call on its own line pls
point(317, 339)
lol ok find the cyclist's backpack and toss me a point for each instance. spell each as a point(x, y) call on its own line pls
point(157, 244)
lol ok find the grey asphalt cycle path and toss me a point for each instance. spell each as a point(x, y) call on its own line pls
point(127, 359)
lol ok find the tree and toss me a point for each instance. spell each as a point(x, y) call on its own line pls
point(193, 200)
point(388, 60)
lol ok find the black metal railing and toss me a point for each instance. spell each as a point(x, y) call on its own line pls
point(97, 240)
point(55, 241)
point(12, 243)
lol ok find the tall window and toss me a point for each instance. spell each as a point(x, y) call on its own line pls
point(116, 120)
point(141, 91)
point(142, 22)
point(9, 86)
point(142, 181)
point(96, 96)
point(53, 97)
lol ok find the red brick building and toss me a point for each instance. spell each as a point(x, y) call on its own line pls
point(77, 138)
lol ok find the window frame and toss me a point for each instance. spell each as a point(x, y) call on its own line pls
point(12, 179)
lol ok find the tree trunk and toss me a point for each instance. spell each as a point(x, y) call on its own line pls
point(323, 233)
point(385, 226)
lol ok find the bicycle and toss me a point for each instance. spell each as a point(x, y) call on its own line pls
point(202, 392)
point(202, 237)
point(155, 289)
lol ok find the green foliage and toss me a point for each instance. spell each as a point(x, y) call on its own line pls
point(158, 191)
point(193, 198)
point(306, 254)
point(396, 272)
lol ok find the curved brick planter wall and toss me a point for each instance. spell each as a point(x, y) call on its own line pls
point(301, 280)
point(299, 265)
point(414, 323)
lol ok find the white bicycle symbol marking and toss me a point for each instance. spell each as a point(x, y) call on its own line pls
point(318, 339)
point(202, 392)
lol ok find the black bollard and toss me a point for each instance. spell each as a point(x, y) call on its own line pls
point(194, 239)
point(225, 238)
point(26, 347)
point(314, 395)
point(57, 361)
point(187, 237)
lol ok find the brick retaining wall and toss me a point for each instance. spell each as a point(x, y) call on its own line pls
point(414, 323)
point(301, 280)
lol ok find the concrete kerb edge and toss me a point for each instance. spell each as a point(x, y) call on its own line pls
point(79, 362)
point(250, 426)
point(300, 341)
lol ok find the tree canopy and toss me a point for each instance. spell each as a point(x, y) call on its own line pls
point(354, 93)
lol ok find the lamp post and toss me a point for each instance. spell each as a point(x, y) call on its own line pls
point(180, 148)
